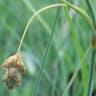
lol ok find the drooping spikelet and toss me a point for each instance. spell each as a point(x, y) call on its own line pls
point(13, 69)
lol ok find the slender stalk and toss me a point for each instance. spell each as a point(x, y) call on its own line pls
point(40, 19)
point(48, 45)
point(91, 12)
point(80, 52)
point(91, 72)
point(75, 73)
point(32, 18)
point(45, 56)
point(82, 13)
point(89, 92)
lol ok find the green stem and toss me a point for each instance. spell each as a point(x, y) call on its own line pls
point(45, 56)
point(82, 13)
point(89, 92)
point(92, 12)
point(75, 73)
point(32, 18)
point(80, 52)
point(91, 72)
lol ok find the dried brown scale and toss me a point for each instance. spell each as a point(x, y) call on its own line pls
point(13, 68)
point(18, 80)
point(94, 41)
point(14, 61)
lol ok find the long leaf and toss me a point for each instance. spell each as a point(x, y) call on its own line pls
point(82, 13)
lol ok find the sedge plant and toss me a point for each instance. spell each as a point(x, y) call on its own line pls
point(13, 67)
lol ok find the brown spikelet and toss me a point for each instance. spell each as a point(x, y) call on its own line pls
point(94, 41)
point(13, 68)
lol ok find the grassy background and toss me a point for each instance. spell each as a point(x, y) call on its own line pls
point(63, 57)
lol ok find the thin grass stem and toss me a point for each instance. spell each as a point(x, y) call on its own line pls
point(75, 73)
point(40, 19)
point(89, 92)
point(31, 19)
point(80, 52)
point(91, 72)
point(45, 56)
point(91, 12)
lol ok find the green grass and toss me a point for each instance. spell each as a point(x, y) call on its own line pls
point(66, 70)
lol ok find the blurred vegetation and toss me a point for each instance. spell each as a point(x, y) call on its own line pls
point(63, 57)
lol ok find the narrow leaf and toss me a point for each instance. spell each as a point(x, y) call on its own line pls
point(82, 13)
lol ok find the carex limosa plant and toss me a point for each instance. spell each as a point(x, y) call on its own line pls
point(13, 68)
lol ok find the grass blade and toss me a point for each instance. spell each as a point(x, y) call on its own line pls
point(75, 73)
point(45, 57)
point(80, 52)
point(89, 92)
point(82, 13)
point(92, 12)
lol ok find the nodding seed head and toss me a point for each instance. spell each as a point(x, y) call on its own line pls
point(13, 68)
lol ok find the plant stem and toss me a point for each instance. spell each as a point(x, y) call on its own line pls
point(40, 19)
point(91, 72)
point(45, 56)
point(32, 18)
point(92, 12)
point(82, 13)
point(80, 52)
point(89, 92)
point(75, 73)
